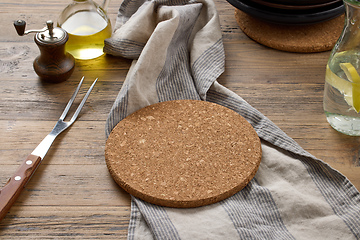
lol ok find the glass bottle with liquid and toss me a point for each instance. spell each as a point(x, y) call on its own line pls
point(88, 26)
point(342, 80)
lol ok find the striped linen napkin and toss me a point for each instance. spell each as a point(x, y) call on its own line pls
point(177, 53)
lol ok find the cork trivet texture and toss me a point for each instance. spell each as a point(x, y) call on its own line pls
point(317, 37)
point(183, 153)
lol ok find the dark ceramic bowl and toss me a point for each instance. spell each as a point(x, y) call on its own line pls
point(289, 17)
point(271, 4)
point(299, 2)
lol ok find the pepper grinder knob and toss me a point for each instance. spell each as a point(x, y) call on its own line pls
point(53, 64)
point(20, 27)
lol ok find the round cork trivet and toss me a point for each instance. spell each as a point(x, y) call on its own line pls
point(317, 37)
point(183, 153)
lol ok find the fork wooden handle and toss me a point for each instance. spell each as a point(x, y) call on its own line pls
point(12, 189)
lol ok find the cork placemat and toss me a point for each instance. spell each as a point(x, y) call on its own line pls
point(317, 37)
point(184, 153)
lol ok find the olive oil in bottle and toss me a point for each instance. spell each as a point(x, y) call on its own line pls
point(87, 31)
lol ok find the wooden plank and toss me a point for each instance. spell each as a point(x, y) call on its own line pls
point(74, 222)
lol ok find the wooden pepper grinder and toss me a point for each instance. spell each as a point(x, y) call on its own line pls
point(53, 64)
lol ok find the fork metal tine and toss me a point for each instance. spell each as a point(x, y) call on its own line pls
point(71, 101)
point(73, 118)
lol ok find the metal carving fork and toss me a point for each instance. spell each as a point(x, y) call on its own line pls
point(11, 191)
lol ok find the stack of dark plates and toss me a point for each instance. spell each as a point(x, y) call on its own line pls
point(291, 12)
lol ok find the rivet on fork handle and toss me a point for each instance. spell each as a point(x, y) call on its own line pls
point(17, 182)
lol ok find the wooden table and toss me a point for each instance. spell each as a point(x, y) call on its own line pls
point(72, 194)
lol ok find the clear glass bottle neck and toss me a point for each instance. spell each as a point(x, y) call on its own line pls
point(352, 9)
point(349, 38)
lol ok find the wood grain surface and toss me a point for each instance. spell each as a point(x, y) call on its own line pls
point(72, 194)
